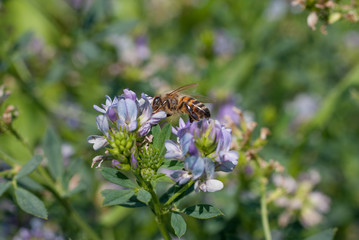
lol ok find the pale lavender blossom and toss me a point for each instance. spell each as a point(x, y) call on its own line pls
point(178, 151)
point(204, 146)
point(125, 112)
point(226, 111)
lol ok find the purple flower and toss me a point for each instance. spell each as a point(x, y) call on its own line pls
point(204, 146)
point(147, 119)
point(124, 112)
point(127, 114)
point(181, 129)
point(227, 111)
point(201, 170)
point(175, 151)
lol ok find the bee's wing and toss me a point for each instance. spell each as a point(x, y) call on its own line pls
point(203, 99)
point(183, 88)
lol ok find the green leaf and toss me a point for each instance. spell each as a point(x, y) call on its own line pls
point(160, 136)
point(178, 224)
point(143, 196)
point(116, 197)
point(4, 186)
point(52, 150)
point(116, 177)
point(202, 211)
point(324, 235)
point(133, 202)
point(30, 184)
point(30, 203)
point(171, 164)
point(29, 167)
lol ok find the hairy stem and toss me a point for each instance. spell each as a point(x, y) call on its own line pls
point(264, 213)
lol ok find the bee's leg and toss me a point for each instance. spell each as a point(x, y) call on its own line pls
point(191, 113)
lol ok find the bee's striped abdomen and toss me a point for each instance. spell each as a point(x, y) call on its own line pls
point(194, 108)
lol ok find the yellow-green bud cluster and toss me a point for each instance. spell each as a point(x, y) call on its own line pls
point(121, 144)
point(150, 162)
point(206, 143)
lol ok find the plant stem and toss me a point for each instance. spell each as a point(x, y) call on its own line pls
point(177, 194)
point(264, 213)
point(159, 215)
point(157, 208)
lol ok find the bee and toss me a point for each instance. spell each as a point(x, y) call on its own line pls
point(173, 102)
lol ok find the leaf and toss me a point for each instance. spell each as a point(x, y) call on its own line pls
point(160, 136)
point(202, 211)
point(133, 202)
point(4, 186)
point(116, 177)
point(171, 164)
point(116, 197)
point(178, 224)
point(52, 150)
point(144, 196)
point(324, 235)
point(29, 167)
point(30, 203)
point(30, 184)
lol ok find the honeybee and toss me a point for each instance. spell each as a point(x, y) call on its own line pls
point(173, 102)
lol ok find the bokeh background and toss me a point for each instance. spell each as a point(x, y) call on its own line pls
point(59, 58)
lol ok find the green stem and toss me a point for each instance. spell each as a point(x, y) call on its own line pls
point(177, 194)
point(264, 213)
point(157, 209)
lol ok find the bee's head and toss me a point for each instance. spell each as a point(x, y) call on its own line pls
point(156, 103)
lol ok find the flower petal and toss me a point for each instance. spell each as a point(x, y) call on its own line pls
point(97, 141)
point(173, 150)
point(129, 94)
point(213, 185)
point(195, 165)
point(97, 108)
point(102, 124)
point(185, 142)
point(146, 110)
point(127, 111)
point(111, 114)
point(209, 167)
point(144, 129)
point(157, 117)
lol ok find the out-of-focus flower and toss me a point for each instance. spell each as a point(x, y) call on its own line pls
point(10, 114)
point(303, 108)
point(37, 230)
point(227, 112)
point(298, 199)
point(204, 147)
point(129, 51)
point(312, 20)
point(276, 10)
point(225, 45)
point(4, 94)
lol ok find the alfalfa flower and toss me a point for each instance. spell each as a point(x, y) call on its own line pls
point(204, 147)
point(124, 120)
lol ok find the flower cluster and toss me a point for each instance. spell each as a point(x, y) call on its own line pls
point(297, 197)
point(124, 121)
point(204, 147)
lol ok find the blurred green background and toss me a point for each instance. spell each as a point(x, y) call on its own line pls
point(59, 58)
